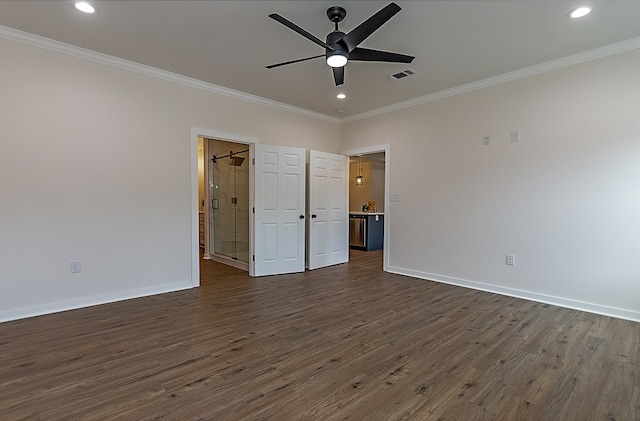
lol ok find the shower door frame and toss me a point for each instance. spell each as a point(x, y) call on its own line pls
point(208, 253)
point(229, 190)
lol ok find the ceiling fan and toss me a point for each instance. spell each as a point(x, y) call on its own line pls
point(341, 47)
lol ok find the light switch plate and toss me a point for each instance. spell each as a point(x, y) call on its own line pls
point(511, 260)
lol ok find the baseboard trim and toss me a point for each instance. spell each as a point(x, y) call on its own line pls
point(526, 295)
point(49, 308)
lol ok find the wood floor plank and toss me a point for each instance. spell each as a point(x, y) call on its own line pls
point(348, 342)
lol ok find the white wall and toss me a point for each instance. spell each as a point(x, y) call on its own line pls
point(565, 199)
point(95, 166)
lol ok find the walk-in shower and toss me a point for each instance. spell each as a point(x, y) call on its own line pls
point(228, 183)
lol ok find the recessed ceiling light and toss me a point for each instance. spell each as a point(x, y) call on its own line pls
point(84, 7)
point(341, 96)
point(339, 111)
point(580, 12)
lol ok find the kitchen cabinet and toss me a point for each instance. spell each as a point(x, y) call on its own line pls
point(366, 230)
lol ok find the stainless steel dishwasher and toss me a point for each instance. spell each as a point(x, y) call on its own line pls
point(357, 230)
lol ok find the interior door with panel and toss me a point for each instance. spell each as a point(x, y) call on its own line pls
point(279, 218)
point(328, 210)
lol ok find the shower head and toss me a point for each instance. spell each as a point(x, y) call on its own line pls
point(236, 161)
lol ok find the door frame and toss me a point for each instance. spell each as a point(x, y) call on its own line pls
point(366, 150)
point(197, 132)
point(209, 251)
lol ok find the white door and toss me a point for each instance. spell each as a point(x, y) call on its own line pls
point(328, 214)
point(279, 224)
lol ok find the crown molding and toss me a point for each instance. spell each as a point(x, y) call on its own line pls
point(83, 53)
point(122, 64)
point(597, 53)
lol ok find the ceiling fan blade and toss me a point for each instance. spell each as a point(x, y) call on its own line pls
point(369, 26)
point(299, 30)
point(364, 54)
point(338, 75)
point(271, 66)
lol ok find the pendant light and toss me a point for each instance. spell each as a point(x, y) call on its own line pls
point(359, 177)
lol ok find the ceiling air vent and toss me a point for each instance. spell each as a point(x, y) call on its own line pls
point(401, 75)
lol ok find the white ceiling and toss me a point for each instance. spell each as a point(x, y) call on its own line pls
point(228, 43)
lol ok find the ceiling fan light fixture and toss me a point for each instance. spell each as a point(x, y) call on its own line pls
point(337, 58)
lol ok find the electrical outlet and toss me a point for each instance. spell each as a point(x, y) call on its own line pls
point(76, 266)
point(515, 136)
point(511, 260)
point(486, 140)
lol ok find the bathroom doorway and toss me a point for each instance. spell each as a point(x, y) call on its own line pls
point(227, 184)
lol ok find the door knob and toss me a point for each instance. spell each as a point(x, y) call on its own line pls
point(314, 216)
point(301, 216)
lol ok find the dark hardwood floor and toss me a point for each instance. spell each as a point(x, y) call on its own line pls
point(347, 342)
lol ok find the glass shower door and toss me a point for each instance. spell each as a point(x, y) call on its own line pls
point(229, 193)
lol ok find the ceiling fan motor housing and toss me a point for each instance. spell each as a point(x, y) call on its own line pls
point(334, 41)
